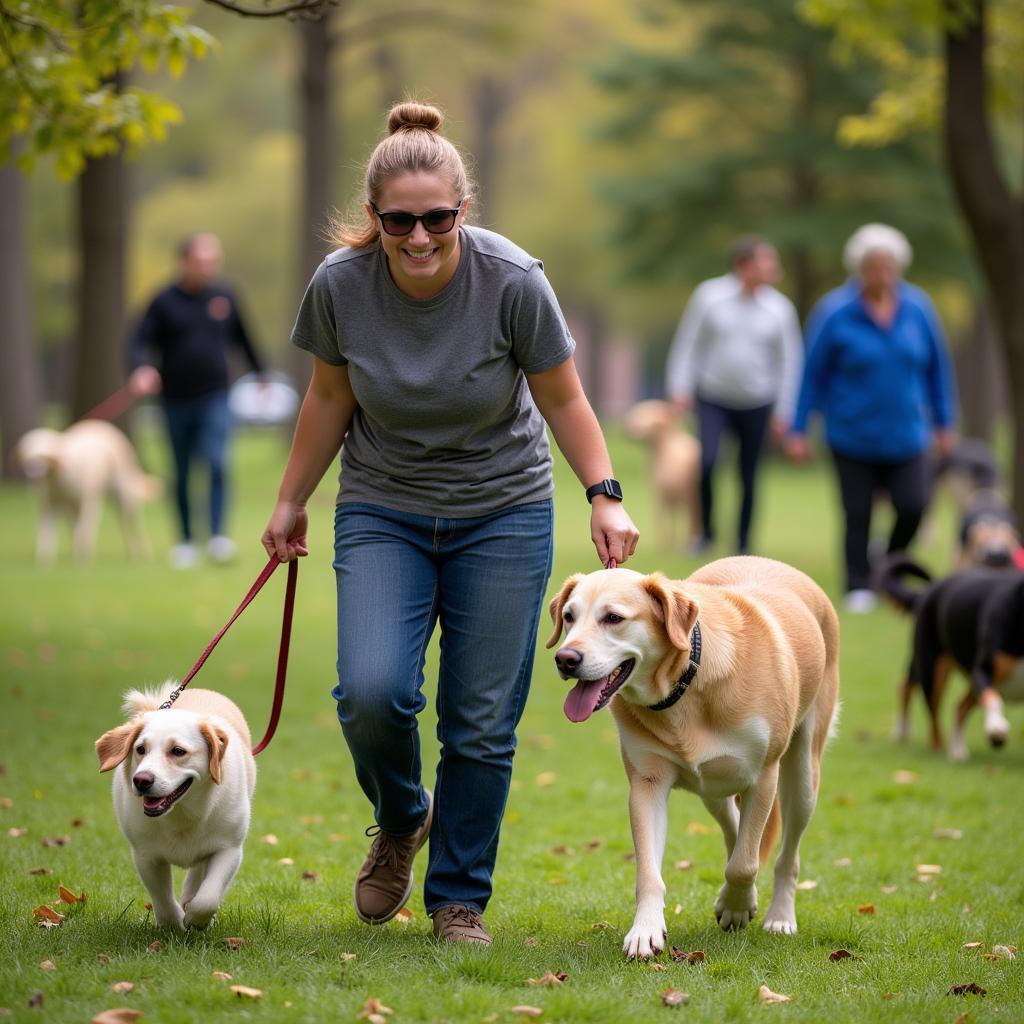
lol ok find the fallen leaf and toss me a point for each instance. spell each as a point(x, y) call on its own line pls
point(35, 1001)
point(973, 945)
point(866, 908)
point(629, 856)
point(903, 777)
point(766, 995)
point(683, 865)
point(967, 989)
point(594, 844)
point(680, 955)
point(155, 946)
point(56, 841)
point(489, 1019)
point(244, 992)
point(77, 823)
point(599, 926)
point(373, 1010)
point(843, 954)
point(809, 884)
point(118, 1015)
point(548, 979)
point(122, 986)
point(563, 850)
point(673, 997)
point(6, 802)
point(658, 967)
point(269, 839)
point(102, 958)
point(842, 862)
point(889, 889)
point(962, 1018)
point(233, 942)
point(698, 828)
point(677, 909)
point(929, 869)
point(69, 897)
point(1004, 952)
point(526, 1011)
point(948, 833)
point(546, 779)
point(222, 975)
point(345, 957)
point(286, 862)
point(40, 871)
point(310, 876)
point(45, 913)
point(17, 833)
point(404, 916)
point(530, 941)
point(48, 965)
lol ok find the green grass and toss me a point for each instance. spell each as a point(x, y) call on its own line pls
point(72, 638)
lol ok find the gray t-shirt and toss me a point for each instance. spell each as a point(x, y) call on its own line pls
point(445, 425)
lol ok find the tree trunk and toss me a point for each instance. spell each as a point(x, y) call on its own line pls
point(19, 383)
point(490, 98)
point(804, 188)
point(98, 360)
point(980, 377)
point(995, 217)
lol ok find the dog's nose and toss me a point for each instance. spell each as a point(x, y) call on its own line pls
point(143, 781)
point(568, 659)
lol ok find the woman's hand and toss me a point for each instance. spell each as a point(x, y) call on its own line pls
point(285, 535)
point(612, 530)
point(796, 448)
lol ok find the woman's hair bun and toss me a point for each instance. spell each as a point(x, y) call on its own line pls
point(409, 115)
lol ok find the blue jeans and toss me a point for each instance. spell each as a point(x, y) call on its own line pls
point(483, 579)
point(199, 428)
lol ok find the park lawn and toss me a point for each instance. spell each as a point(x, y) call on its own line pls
point(72, 638)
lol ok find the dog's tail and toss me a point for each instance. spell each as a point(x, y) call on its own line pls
point(771, 832)
point(891, 576)
point(137, 702)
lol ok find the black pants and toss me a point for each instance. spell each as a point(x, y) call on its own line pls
point(908, 487)
point(750, 427)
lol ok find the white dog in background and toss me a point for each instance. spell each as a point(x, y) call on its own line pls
point(183, 796)
point(75, 470)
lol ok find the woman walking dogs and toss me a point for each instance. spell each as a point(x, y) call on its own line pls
point(440, 350)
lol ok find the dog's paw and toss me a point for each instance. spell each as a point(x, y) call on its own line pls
point(779, 924)
point(997, 728)
point(199, 913)
point(901, 730)
point(172, 917)
point(958, 749)
point(645, 939)
point(735, 907)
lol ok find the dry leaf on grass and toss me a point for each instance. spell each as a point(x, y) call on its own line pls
point(373, 1010)
point(929, 869)
point(903, 777)
point(546, 779)
point(48, 917)
point(122, 986)
point(48, 965)
point(310, 876)
point(600, 926)
point(677, 909)
point(766, 995)
point(1004, 952)
point(233, 942)
point(563, 850)
point(56, 841)
point(673, 997)
point(683, 865)
point(658, 967)
point(526, 1011)
point(843, 954)
point(102, 958)
point(889, 889)
point(17, 833)
point(698, 828)
point(405, 915)
point(35, 1001)
point(270, 839)
point(866, 908)
point(244, 992)
point(286, 862)
point(973, 945)
point(222, 975)
point(594, 844)
point(806, 885)
point(548, 979)
point(345, 957)
point(967, 989)
point(842, 862)
point(40, 871)
point(947, 833)
point(962, 1018)
point(117, 1015)
point(155, 946)
point(681, 956)
point(69, 897)
point(530, 941)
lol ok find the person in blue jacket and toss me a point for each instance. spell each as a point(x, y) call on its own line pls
point(879, 372)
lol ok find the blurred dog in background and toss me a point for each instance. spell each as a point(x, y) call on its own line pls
point(674, 469)
point(75, 470)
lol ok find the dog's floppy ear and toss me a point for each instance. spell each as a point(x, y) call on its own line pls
point(217, 740)
point(674, 608)
point(114, 746)
point(558, 603)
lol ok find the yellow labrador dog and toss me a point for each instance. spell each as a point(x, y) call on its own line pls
point(725, 684)
point(183, 796)
point(76, 470)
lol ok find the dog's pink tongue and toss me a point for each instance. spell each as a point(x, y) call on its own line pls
point(582, 699)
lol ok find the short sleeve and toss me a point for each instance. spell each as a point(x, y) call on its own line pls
point(316, 328)
point(540, 335)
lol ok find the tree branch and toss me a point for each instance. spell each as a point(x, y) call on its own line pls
point(312, 9)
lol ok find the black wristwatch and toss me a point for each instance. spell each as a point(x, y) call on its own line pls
point(609, 488)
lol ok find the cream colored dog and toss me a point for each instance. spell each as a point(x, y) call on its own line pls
point(724, 684)
point(76, 470)
point(674, 469)
point(183, 796)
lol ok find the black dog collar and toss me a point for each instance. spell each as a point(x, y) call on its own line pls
point(687, 677)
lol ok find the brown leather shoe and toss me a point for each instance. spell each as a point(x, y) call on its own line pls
point(456, 923)
point(384, 882)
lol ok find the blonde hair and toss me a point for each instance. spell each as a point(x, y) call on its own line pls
point(413, 145)
point(873, 238)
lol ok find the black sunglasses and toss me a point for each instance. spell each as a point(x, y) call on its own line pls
point(436, 222)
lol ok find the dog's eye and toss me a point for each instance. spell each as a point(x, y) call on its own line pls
point(141, 748)
point(568, 617)
point(612, 619)
point(178, 751)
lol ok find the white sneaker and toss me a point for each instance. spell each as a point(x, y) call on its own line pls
point(221, 548)
point(184, 556)
point(860, 602)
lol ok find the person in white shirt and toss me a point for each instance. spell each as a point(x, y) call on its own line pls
point(736, 360)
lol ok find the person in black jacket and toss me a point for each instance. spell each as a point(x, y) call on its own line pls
point(179, 350)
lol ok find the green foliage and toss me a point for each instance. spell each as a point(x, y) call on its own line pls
point(63, 66)
point(73, 638)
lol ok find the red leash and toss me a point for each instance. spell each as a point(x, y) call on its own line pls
point(282, 654)
point(112, 406)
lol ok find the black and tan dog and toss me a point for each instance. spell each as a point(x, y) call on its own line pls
point(724, 684)
point(972, 620)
